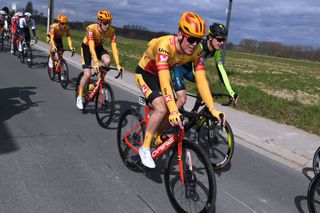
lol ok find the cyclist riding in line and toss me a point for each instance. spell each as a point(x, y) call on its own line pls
point(3, 23)
point(92, 48)
point(153, 77)
point(211, 48)
point(25, 23)
point(56, 32)
point(14, 26)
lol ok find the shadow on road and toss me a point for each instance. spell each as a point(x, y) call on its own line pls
point(13, 101)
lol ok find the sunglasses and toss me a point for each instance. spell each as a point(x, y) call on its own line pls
point(191, 40)
point(105, 23)
point(220, 39)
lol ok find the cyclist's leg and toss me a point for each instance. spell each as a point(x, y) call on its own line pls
point(86, 64)
point(27, 37)
point(150, 87)
point(104, 55)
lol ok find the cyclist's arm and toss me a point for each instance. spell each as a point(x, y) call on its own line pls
point(114, 49)
point(33, 27)
point(69, 39)
point(164, 78)
point(52, 36)
point(202, 83)
point(92, 45)
point(223, 74)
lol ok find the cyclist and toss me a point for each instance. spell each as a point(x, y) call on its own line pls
point(211, 48)
point(25, 23)
point(14, 26)
point(153, 77)
point(3, 23)
point(92, 47)
point(56, 32)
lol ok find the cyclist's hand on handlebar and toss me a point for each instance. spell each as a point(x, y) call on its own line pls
point(35, 40)
point(220, 116)
point(175, 120)
point(54, 48)
point(96, 67)
point(72, 49)
point(119, 68)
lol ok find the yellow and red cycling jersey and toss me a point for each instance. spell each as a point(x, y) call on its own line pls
point(162, 55)
point(96, 37)
point(57, 31)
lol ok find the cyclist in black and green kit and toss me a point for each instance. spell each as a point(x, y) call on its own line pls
point(210, 48)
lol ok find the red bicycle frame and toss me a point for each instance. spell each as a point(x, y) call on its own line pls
point(166, 145)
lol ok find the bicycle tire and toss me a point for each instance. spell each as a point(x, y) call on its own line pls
point(131, 118)
point(2, 43)
point(198, 193)
point(29, 56)
point(85, 91)
point(51, 71)
point(313, 196)
point(22, 55)
point(316, 162)
point(105, 110)
point(65, 74)
point(217, 143)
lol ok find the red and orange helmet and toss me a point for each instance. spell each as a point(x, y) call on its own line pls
point(192, 24)
point(104, 15)
point(62, 19)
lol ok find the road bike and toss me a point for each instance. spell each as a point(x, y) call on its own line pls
point(60, 68)
point(216, 140)
point(313, 196)
point(189, 177)
point(101, 93)
point(316, 162)
point(26, 53)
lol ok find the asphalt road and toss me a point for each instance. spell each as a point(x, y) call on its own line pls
point(53, 158)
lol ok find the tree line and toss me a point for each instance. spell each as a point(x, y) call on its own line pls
point(247, 45)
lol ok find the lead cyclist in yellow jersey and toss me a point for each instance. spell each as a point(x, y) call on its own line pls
point(55, 34)
point(153, 76)
point(92, 48)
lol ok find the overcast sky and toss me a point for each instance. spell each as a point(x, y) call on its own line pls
point(286, 21)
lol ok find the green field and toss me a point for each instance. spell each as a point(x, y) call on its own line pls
point(284, 90)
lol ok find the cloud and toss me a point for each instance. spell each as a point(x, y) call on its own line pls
point(286, 21)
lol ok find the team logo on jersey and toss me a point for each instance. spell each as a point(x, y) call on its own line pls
point(202, 59)
point(163, 50)
point(144, 89)
point(163, 57)
point(168, 98)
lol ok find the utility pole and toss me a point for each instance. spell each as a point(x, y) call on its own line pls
point(227, 27)
point(50, 14)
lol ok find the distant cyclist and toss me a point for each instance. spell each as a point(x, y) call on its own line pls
point(153, 77)
point(210, 48)
point(25, 23)
point(56, 32)
point(14, 26)
point(3, 23)
point(92, 48)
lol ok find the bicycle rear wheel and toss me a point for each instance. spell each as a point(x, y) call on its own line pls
point(29, 57)
point(198, 193)
point(316, 162)
point(85, 91)
point(51, 71)
point(22, 54)
point(64, 77)
point(104, 105)
point(128, 129)
point(314, 195)
point(217, 142)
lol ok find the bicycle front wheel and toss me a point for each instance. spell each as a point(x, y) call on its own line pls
point(314, 195)
point(64, 76)
point(198, 193)
point(316, 162)
point(104, 105)
point(129, 130)
point(51, 71)
point(217, 142)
